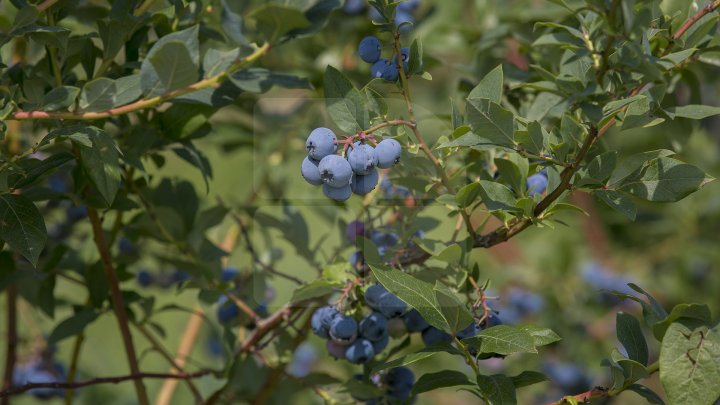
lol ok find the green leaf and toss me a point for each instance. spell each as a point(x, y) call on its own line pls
point(645, 392)
point(629, 165)
point(232, 21)
point(617, 201)
point(698, 312)
point(216, 61)
point(497, 197)
point(503, 339)
point(513, 170)
point(346, 105)
point(22, 226)
point(653, 312)
point(98, 95)
point(599, 169)
point(101, 162)
point(631, 337)
point(32, 170)
point(416, 293)
point(689, 366)
point(259, 80)
point(172, 62)
point(441, 379)
point(693, 111)
point(490, 87)
point(127, 90)
point(527, 378)
point(458, 317)
point(54, 36)
point(541, 336)
point(73, 325)
point(532, 140)
point(491, 122)
point(314, 289)
point(60, 98)
point(498, 389)
point(415, 63)
point(467, 195)
point(665, 180)
point(274, 20)
point(415, 357)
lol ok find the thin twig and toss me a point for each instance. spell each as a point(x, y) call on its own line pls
point(12, 339)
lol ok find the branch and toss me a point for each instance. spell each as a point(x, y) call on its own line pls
point(585, 397)
point(143, 103)
point(104, 380)
point(12, 339)
point(118, 304)
point(692, 20)
point(46, 5)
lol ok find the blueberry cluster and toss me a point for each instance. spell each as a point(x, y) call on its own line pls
point(397, 384)
point(356, 173)
point(370, 51)
point(358, 342)
point(537, 183)
point(41, 370)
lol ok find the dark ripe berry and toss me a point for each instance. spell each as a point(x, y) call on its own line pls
point(343, 328)
point(374, 327)
point(537, 183)
point(320, 143)
point(370, 49)
point(335, 171)
point(357, 261)
point(384, 69)
point(400, 377)
point(380, 345)
point(360, 351)
point(391, 306)
point(373, 295)
point(362, 185)
point(229, 274)
point(388, 153)
point(353, 7)
point(384, 239)
point(414, 322)
point(321, 321)
point(470, 331)
point(310, 171)
point(432, 336)
point(227, 311)
point(362, 158)
point(337, 194)
point(355, 229)
point(144, 278)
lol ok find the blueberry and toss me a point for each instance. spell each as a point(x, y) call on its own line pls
point(357, 261)
point(229, 274)
point(337, 194)
point(335, 171)
point(402, 17)
point(353, 7)
point(343, 328)
point(414, 322)
point(490, 321)
point(215, 347)
point(321, 320)
point(400, 381)
point(391, 306)
point(408, 5)
point(126, 247)
point(374, 294)
point(384, 69)
point(361, 351)
point(382, 238)
point(144, 278)
point(388, 153)
point(354, 229)
point(380, 345)
point(320, 143)
point(75, 214)
point(374, 327)
point(362, 158)
point(404, 58)
point(432, 335)
point(370, 49)
point(310, 171)
point(38, 375)
point(471, 330)
point(362, 185)
point(227, 311)
point(57, 184)
point(336, 349)
point(537, 184)
point(180, 276)
point(377, 68)
point(303, 359)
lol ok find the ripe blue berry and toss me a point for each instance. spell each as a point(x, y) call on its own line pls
point(320, 143)
point(343, 328)
point(374, 294)
point(362, 158)
point(335, 171)
point(432, 336)
point(400, 380)
point(384, 69)
point(126, 247)
point(408, 5)
point(537, 183)
point(402, 17)
point(337, 194)
point(370, 49)
point(227, 311)
point(362, 185)
point(361, 351)
point(381, 344)
point(391, 306)
point(414, 322)
point(321, 321)
point(354, 229)
point(382, 238)
point(144, 278)
point(353, 7)
point(180, 276)
point(388, 153)
point(229, 274)
point(374, 327)
point(310, 171)
point(471, 330)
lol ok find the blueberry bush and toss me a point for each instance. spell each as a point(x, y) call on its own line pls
point(380, 202)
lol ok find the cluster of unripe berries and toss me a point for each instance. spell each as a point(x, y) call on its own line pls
point(355, 173)
point(370, 51)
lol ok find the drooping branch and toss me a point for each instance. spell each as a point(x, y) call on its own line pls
point(104, 380)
